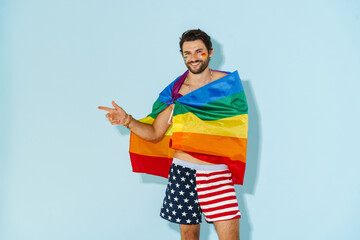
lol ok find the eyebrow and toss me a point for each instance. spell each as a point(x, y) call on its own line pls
point(199, 49)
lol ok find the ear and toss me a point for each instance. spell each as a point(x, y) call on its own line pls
point(211, 51)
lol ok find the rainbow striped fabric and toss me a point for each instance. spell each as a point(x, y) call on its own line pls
point(211, 120)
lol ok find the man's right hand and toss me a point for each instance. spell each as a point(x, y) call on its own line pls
point(150, 132)
point(116, 115)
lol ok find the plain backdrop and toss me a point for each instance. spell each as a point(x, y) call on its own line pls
point(65, 172)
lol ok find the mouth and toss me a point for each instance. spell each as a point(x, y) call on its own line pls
point(194, 64)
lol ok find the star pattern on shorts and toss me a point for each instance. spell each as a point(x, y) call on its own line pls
point(180, 204)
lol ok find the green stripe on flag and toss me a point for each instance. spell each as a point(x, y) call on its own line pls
point(158, 107)
point(229, 106)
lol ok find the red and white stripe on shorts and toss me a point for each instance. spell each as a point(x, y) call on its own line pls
point(216, 195)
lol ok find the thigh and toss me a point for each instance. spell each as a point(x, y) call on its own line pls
point(227, 230)
point(190, 232)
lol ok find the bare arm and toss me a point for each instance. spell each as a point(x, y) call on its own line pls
point(149, 132)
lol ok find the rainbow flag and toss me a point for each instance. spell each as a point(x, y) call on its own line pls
point(211, 120)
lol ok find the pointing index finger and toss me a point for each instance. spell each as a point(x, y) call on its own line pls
point(105, 108)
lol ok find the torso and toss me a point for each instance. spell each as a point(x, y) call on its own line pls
point(186, 157)
point(183, 91)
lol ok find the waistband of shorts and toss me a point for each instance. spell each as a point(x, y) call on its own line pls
point(195, 166)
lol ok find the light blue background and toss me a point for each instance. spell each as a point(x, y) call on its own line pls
point(65, 171)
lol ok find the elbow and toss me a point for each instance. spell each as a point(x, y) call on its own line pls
point(156, 139)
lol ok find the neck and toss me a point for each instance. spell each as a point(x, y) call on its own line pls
point(200, 78)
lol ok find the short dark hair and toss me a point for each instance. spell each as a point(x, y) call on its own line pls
point(195, 34)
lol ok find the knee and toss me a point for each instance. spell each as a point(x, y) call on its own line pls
point(190, 235)
point(190, 232)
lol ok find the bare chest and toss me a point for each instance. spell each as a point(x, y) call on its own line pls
point(186, 88)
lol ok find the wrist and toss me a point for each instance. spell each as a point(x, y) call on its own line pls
point(128, 121)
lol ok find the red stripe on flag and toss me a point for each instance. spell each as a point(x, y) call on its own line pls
point(219, 207)
point(201, 174)
point(214, 187)
point(158, 166)
point(216, 193)
point(217, 200)
point(212, 180)
point(226, 214)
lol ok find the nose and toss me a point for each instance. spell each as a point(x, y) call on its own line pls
point(193, 57)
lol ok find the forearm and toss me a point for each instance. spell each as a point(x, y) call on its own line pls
point(144, 130)
point(152, 132)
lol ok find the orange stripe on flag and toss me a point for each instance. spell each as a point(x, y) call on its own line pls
point(234, 148)
point(159, 149)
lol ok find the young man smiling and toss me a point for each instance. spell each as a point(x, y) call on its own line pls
point(196, 136)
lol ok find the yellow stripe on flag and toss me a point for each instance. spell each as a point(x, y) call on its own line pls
point(150, 120)
point(230, 127)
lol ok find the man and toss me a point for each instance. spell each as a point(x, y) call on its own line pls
point(202, 115)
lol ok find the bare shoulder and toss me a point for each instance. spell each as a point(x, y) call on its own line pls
point(218, 75)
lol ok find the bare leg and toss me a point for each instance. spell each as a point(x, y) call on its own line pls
point(190, 232)
point(228, 230)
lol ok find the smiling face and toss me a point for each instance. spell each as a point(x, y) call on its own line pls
point(196, 56)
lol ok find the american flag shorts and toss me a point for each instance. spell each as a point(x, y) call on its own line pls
point(194, 189)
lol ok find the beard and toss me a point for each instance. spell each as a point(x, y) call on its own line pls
point(203, 65)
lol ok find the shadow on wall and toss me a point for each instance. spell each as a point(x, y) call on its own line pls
point(123, 130)
point(217, 59)
point(254, 140)
point(252, 161)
